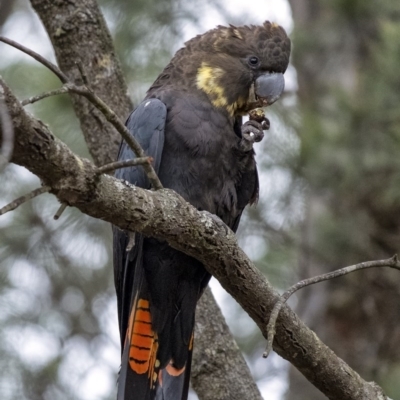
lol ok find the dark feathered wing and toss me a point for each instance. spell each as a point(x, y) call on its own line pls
point(139, 342)
point(195, 152)
point(190, 125)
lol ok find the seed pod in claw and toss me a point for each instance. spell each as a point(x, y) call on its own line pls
point(259, 116)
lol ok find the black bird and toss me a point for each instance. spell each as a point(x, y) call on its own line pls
point(190, 123)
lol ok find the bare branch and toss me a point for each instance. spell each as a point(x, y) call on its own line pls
point(121, 128)
point(53, 68)
point(115, 121)
point(123, 164)
point(390, 262)
point(23, 199)
point(131, 242)
point(96, 101)
point(60, 210)
point(42, 96)
point(7, 135)
point(83, 73)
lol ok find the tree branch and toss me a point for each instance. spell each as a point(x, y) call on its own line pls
point(86, 92)
point(53, 68)
point(23, 199)
point(392, 262)
point(121, 128)
point(41, 96)
point(60, 210)
point(123, 164)
point(166, 215)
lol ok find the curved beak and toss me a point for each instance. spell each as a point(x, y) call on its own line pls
point(269, 87)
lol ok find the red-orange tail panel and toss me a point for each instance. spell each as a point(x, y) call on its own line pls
point(139, 370)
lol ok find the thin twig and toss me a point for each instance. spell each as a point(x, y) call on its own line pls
point(131, 242)
point(42, 96)
point(63, 78)
point(7, 135)
point(121, 128)
point(98, 103)
point(60, 210)
point(23, 199)
point(123, 164)
point(83, 73)
point(392, 262)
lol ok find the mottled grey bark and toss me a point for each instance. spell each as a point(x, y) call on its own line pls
point(166, 215)
point(216, 358)
point(79, 34)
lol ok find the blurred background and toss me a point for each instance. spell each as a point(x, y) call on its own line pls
point(330, 197)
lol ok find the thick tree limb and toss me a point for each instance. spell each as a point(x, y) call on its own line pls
point(165, 214)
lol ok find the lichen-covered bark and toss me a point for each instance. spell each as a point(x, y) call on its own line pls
point(166, 215)
point(216, 358)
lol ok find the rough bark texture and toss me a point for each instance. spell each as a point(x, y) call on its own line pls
point(78, 33)
point(166, 215)
point(215, 353)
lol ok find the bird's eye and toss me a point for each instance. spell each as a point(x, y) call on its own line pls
point(253, 61)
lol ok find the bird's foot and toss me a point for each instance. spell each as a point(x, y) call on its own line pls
point(252, 132)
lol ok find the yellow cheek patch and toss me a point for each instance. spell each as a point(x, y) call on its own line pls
point(207, 81)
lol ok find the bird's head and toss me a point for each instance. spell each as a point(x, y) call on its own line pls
point(238, 68)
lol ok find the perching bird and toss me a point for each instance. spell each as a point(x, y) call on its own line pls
point(190, 123)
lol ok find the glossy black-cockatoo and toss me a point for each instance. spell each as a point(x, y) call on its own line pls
point(190, 123)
